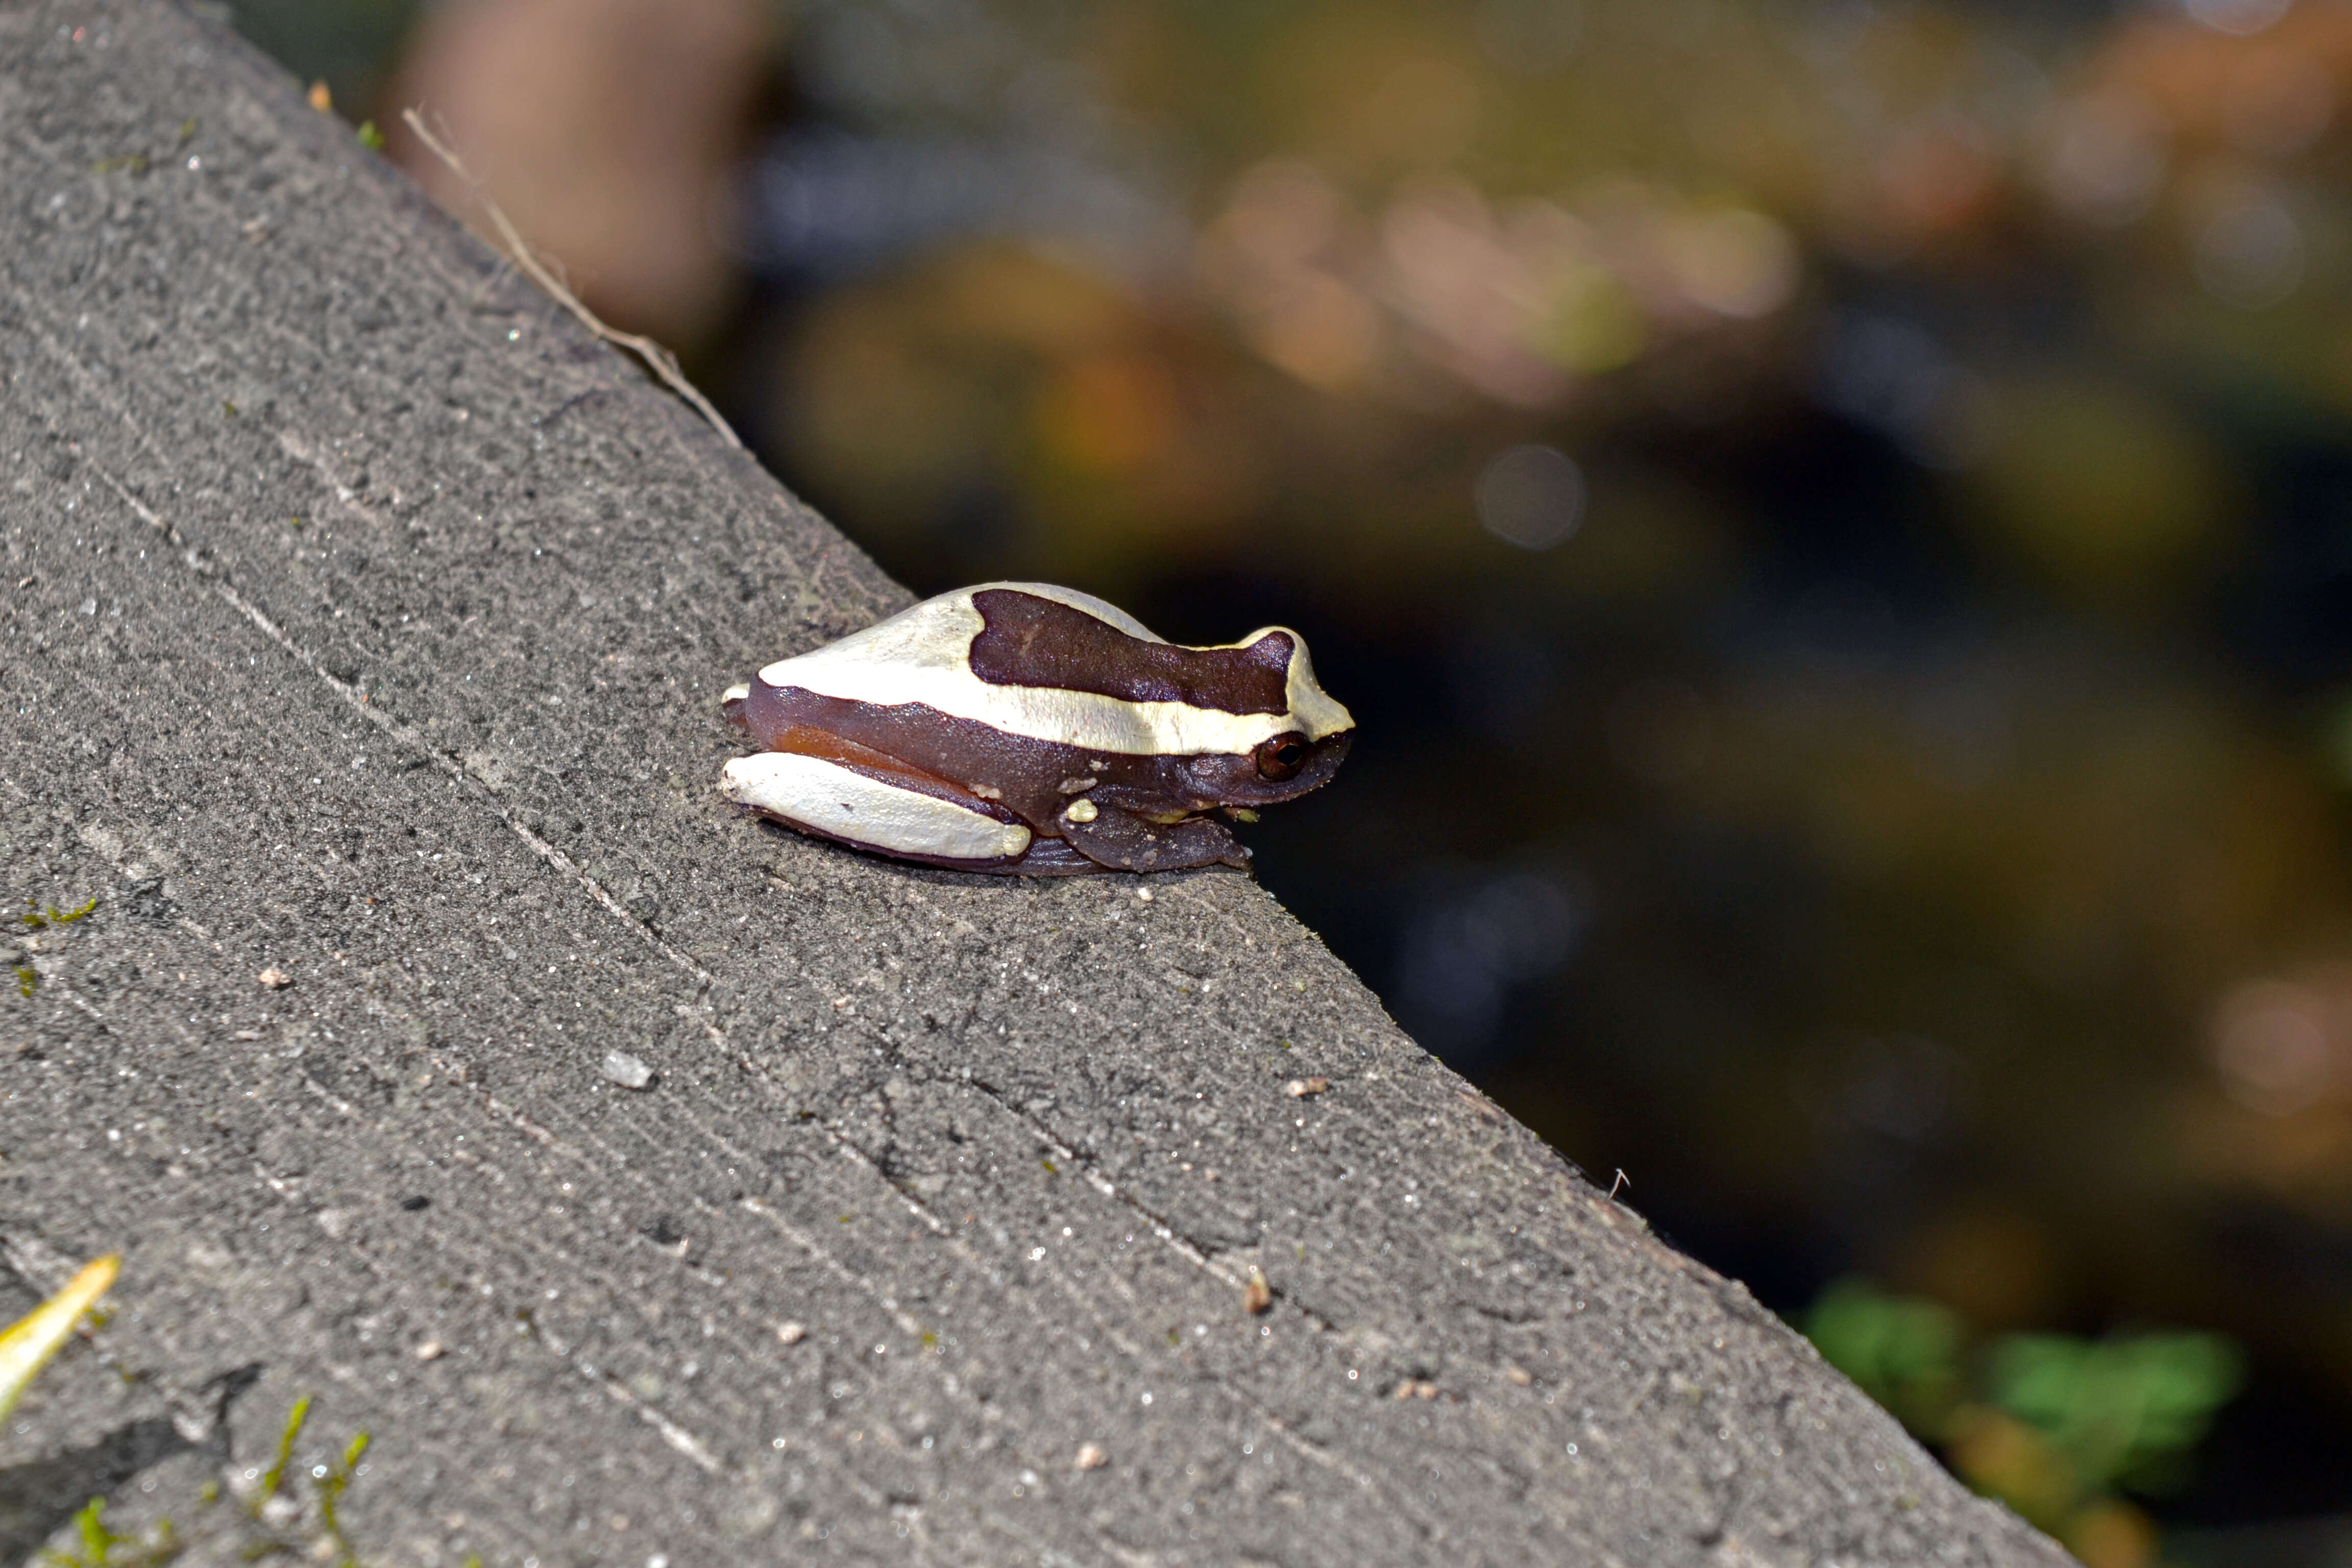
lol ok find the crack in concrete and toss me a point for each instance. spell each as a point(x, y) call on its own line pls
point(457, 771)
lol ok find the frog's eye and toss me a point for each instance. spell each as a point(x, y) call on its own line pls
point(1281, 756)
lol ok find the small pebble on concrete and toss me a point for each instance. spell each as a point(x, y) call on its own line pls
point(628, 1072)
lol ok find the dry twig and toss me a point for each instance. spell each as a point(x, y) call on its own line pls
point(659, 360)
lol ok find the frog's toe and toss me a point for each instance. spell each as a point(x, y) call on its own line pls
point(1051, 858)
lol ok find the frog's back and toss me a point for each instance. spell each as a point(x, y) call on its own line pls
point(934, 634)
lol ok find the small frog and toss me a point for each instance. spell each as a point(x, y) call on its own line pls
point(1029, 730)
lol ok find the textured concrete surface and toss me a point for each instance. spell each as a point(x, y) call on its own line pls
point(364, 622)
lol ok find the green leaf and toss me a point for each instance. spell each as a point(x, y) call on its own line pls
point(1904, 1352)
point(2126, 1411)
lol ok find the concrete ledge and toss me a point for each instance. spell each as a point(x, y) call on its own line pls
point(364, 622)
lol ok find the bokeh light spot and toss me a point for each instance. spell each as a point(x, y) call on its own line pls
point(1736, 262)
point(2239, 18)
point(2250, 253)
point(2274, 1047)
point(1531, 496)
point(2106, 157)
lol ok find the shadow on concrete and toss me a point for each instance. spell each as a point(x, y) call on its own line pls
point(41, 1495)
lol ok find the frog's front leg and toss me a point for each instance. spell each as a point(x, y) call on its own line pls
point(1129, 840)
point(868, 802)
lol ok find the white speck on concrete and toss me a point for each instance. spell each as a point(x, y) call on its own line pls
point(628, 1072)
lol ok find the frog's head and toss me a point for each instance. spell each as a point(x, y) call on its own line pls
point(1295, 750)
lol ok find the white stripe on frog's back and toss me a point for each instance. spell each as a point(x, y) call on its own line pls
point(924, 654)
point(850, 804)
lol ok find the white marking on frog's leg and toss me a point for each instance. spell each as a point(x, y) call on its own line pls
point(845, 804)
point(1080, 811)
point(735, 694)
point(923, 656)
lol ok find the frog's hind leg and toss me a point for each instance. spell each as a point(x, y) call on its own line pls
point(890, 810)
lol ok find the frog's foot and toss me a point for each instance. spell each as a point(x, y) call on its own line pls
point(887, 808)
point(1125, 840)
point(1051, 858)
point(735, 703)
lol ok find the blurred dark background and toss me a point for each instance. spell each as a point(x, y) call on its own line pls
point(1834, 518)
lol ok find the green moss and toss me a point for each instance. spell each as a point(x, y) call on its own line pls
point(34, 920)
point(99, 1547)
point(370, 137)
point(274, 1476)
point(97, 1541)
point(327, 1484)
point(331, 1488)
